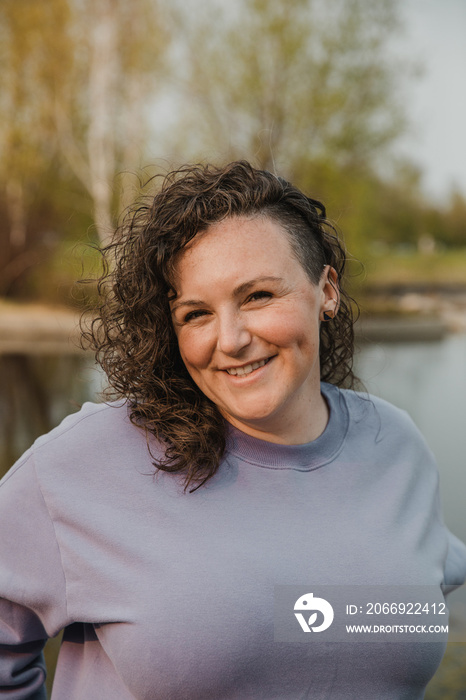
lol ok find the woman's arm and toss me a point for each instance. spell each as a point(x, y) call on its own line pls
point(455, 564)
point(32, 583)
point(22, 666)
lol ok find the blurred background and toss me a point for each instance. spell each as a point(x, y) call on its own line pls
point(361, 103)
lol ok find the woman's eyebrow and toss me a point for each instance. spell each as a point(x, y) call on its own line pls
point(240, 289)
point(237, 291)
point(189, 302)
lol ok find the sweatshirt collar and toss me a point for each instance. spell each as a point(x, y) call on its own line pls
point(303, 457)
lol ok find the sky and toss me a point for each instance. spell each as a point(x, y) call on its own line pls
point(435, 37)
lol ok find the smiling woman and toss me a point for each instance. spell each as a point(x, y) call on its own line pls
point(226, 334)
point(211, 233)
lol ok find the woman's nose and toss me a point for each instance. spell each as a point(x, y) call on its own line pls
point(233, 335)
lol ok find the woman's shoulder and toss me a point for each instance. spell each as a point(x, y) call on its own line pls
point(92, 422)
point(97, 444)
point(84, 440)
point(363, 406)
point(377, 423)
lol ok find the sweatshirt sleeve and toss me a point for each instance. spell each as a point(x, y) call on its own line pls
point(455, 564)
point(32, 583)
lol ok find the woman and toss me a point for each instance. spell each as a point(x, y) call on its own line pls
point(226, 333)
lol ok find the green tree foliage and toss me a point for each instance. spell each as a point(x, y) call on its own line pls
point(305, 87)
point(34, 57)
point(76, 77)
point(102, 117)
point(92, 89)
point(291, 82)
point(448, 223)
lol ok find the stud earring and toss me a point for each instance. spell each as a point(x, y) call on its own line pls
point(328, 315)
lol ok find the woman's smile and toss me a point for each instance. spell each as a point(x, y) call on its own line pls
point(245, 370)
point(247, 318)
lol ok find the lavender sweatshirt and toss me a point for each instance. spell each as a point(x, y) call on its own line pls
point(169, 596)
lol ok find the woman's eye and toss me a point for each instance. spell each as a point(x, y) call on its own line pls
point(256, 296)
point(192, 315)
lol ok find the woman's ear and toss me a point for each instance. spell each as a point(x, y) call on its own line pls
point(330, 294)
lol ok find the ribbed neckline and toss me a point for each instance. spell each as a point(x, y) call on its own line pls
point(304, 457)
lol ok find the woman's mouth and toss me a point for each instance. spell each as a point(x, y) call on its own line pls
point(247, 369)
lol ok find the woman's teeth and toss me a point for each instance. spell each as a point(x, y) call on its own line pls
point(247, 369)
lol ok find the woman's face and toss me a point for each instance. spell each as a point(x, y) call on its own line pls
point(247, 319)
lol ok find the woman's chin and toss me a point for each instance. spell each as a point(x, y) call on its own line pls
point(256, 422)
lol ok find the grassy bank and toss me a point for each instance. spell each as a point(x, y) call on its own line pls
point(442, 268)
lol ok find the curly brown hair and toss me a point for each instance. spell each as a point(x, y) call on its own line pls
point(133, 335)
